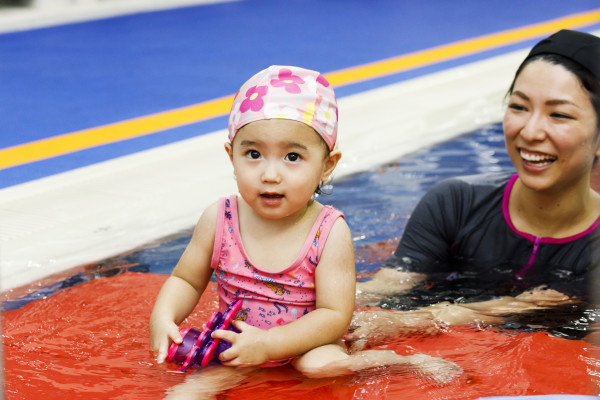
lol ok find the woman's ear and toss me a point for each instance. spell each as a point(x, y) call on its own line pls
point(597, 152)
point(331, 161)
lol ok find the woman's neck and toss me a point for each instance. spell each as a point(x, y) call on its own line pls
point(558, 215)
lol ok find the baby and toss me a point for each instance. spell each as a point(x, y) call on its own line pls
point(288, 258)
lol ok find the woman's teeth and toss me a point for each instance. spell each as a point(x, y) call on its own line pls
point(536, 158)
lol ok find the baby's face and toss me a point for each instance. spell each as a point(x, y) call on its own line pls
point(278, 164)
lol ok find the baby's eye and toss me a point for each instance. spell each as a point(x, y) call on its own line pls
point(253, 154)
point(292, 157)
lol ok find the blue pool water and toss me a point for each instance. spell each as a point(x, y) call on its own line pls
point(377, 204)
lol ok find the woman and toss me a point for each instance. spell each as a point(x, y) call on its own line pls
point(524, 237)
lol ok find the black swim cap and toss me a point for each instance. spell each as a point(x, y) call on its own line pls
point(583, 48)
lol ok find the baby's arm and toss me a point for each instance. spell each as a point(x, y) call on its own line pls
point(182, 290)
point(335, 287)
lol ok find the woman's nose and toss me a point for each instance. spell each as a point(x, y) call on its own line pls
point(534, 128)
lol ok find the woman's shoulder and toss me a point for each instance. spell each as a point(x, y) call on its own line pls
point(474, 187)
point(488, 181)
point(459, 199)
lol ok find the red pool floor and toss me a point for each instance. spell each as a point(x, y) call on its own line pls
point(92, 342)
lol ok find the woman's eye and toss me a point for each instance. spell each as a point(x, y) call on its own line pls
point(253, 154)
point(292, 157)
point(561, 115)
point(516, 107)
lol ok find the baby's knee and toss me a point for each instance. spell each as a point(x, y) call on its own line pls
point(321, 361)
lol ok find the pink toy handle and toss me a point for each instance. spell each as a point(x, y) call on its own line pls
point(199, 346)
point(217, 346)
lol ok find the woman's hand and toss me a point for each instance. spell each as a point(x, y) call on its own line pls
point(544, 298)
point(369, 328)
point(248, 348)
point(533, 299)
point(447, 313)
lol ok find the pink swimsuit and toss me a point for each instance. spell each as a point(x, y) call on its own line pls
point(269, 299)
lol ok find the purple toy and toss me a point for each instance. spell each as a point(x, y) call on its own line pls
point(199, 347)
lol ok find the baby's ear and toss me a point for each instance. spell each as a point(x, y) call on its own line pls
point(229, 150)
point(330, 163)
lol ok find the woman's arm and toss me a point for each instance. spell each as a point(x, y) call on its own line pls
point(425, 244)
point(386, 282)
point(371, 327)
point(182, 290)
point(335, 290)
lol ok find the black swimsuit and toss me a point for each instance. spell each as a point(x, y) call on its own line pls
point(461, 232)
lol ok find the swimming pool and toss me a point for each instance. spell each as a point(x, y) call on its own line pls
point(87, 337)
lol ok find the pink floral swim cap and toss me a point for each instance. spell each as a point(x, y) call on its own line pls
point(289, 93)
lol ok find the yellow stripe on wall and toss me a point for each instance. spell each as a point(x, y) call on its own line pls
point(88, 138)
point(460, 49)
point(85, 139)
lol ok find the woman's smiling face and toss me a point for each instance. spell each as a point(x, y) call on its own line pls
point(550, 128)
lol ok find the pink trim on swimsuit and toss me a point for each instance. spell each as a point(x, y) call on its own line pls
point(535, 239)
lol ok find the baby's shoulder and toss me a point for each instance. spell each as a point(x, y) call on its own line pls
point(212, 209)
point(208, 218)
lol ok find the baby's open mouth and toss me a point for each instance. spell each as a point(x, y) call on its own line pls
point(537, 159)
point(271, 195)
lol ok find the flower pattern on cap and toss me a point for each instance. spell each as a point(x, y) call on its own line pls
point(288, 81)
point(254, 99)
point(287, 92)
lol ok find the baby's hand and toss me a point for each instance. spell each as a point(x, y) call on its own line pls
point(162, 332)
point(248, 347)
